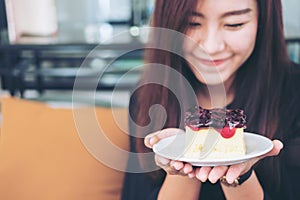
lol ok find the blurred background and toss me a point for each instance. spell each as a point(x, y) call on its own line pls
point(43, 44)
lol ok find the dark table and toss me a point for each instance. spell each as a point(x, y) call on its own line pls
point(55, 65)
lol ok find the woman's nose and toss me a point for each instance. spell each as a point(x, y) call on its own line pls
point(212, 42)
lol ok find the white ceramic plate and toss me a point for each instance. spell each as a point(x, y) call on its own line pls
point(174, 147)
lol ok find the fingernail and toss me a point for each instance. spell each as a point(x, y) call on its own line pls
point(191, 175)
point(172, 163)
point(151, 140)
point(185, 170)
point(229, 180)
point(164, 161)
point(281, 145)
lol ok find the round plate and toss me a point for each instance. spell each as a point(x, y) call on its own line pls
point(174, 148)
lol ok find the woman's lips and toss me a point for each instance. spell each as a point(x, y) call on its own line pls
point(212, 62)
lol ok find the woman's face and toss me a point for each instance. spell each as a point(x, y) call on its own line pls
point(222, 36)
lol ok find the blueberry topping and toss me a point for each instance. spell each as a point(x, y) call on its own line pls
point(218, 118)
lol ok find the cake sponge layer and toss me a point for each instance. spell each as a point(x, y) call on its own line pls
point(222, 148)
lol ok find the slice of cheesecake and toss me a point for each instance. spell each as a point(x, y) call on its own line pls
point(214, 134)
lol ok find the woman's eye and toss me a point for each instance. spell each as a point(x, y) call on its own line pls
point(194, 24)
point(234, 26)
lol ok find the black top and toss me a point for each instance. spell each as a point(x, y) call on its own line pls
point(138, 186)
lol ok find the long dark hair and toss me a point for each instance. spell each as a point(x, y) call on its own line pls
point(258, 83)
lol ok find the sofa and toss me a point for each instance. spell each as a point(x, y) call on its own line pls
point(51, 153)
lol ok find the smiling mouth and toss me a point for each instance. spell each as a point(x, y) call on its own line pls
point(212, 63)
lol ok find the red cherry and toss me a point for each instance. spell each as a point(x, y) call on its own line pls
point(227, 132)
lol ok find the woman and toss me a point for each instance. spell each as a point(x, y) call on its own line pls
point(233, 56)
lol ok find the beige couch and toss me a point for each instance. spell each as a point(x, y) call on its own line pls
point(43, 157)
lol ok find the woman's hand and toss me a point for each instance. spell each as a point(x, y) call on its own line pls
point(213, 174)
point(170, 166)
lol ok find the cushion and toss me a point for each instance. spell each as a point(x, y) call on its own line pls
point(52, 153)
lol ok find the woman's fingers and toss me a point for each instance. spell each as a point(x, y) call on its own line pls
point(234, 171)
point(278, 145)
point(161, 161)
point(216, 173)
point(174, 167)
point(170, 166)
point(153, 138)
point(202, 173)
point(213, 174)
point(187, 169)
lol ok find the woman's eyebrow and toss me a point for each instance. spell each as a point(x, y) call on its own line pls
point(236, 12)
point(197, 14)
point(230, 13)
